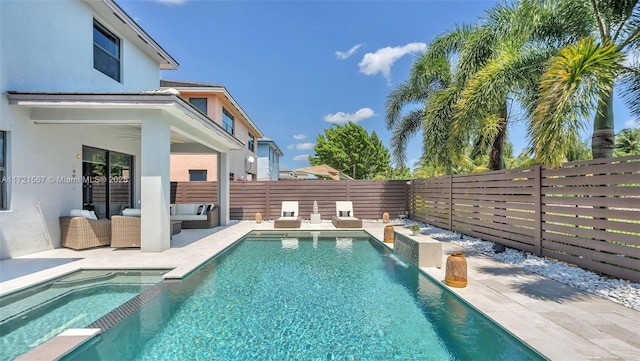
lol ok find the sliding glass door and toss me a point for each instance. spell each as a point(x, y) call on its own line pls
point(107, 181)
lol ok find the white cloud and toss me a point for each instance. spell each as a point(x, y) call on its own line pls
point(342, 117)
point(632, 123)
point(301, 157)
point(383, 59)
point(304, 146)
point(299, 136)
point(343, 55)
point(291, 146)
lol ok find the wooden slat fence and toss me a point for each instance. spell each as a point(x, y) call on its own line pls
point(586, 213)
point(370, 198)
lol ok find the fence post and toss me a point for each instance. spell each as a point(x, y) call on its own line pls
point(537, 199)
point(451, 202)
point(267, 209)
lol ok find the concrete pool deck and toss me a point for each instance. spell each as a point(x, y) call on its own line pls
point(559, 321)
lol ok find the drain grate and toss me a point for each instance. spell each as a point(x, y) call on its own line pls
point(114, 317)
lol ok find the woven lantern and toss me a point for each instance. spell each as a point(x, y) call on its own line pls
point(456, 272)
point(258, 217)
point(389, 235)
point(385, 217)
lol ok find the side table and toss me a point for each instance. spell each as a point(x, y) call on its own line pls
point(315, 218)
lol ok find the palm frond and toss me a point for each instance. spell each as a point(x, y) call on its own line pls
point(406, 128)
point(569, 91)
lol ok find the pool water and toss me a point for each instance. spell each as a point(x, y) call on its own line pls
point(29, 318)
point(332, 298)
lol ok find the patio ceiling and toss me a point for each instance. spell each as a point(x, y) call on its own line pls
point(125, 112)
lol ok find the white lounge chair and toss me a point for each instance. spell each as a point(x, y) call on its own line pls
point(345, 218)
point(289, 216)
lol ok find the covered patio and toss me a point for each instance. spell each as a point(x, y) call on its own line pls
point(148, 125)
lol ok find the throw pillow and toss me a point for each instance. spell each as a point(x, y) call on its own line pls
point(344, 213)
point(288, 214)
point(201, 209)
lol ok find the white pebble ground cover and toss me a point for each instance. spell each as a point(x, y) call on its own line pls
point(617, 290)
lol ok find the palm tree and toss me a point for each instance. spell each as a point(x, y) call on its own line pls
point(628, 142)
point(579, 79)
point(435, 88)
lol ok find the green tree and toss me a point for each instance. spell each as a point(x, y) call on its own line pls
point(346, 146)
point(628, 142)
point(579, 78)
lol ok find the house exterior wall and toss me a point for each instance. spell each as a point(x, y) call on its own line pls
point(23, 229)
point(47, 46)
point(182, 163)
point(237, 158)
point(268, 162)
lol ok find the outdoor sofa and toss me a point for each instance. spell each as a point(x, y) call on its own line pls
point(196, 215)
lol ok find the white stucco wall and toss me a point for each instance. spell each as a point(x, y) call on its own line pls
point(48, 46)
point(49, 151)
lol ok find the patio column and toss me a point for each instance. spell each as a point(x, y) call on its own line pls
point(155, 185)
point(223, 187)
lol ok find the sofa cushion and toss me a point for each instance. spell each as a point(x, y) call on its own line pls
point(187, 208)
point(131, 212)
point(188, 217)
point(83, 213)
point(172, 209)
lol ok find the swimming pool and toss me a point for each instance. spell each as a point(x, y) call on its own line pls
point(32, 316)
point(279, 297)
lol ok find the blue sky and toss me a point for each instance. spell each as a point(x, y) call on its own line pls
point(297, 67)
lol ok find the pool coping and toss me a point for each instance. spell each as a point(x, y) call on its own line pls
point(558, 321)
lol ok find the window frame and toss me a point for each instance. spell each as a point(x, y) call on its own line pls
point(206, 104)
point(97, 48)
point(226, 119)
point(251, 143)
point(197, 171)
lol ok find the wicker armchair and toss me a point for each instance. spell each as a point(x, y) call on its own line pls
point(125, 232)
point(81, 233)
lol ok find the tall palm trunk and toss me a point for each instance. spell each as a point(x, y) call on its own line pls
point(496, 155)
point(603, 139)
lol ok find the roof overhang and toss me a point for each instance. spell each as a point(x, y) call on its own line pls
point(223, 91)
point(130, 109)
point(118, 18)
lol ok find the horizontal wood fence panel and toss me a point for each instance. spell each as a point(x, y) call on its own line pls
point(194, 192)
point(587, 212)
point(491, 218)
point(594, 256)
point(628, 167)
point(370, 198)
point(502, 230)
point(592, 223)
point(630, 178)
point(586, 233)
point(609, 191)
point(604, 246)
point(629, 215)
point(592, 201)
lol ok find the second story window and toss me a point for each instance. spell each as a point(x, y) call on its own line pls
point(251, 143)
point(106, 52)
point(227, 121)
point(200, 103)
